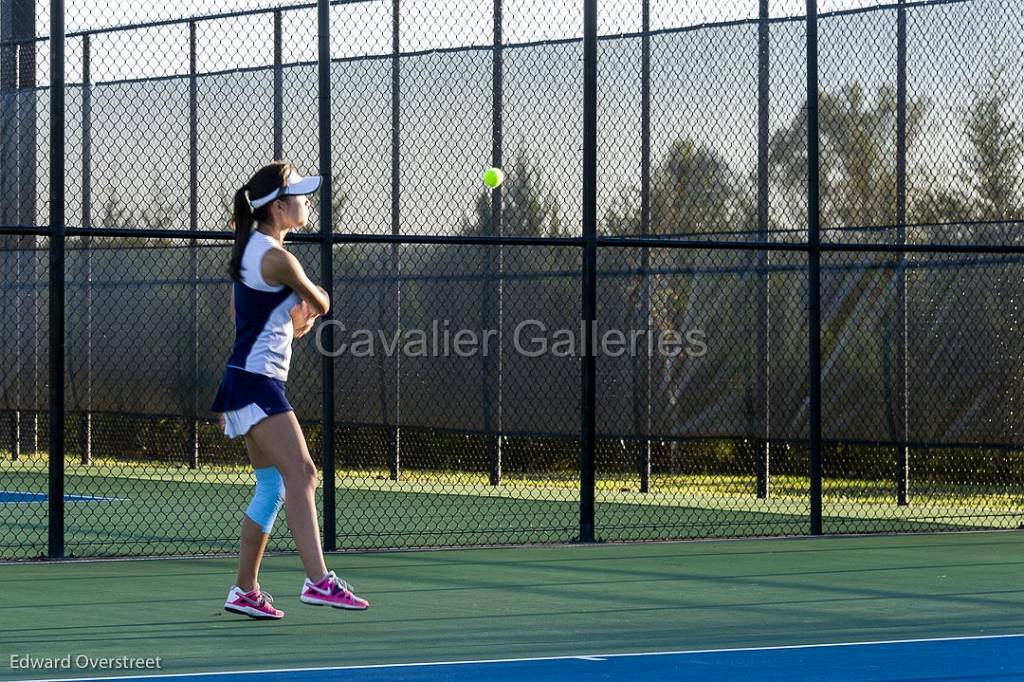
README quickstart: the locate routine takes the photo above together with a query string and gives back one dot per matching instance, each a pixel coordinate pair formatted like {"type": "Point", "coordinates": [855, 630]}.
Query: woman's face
{"type": "Point", "coordinates": [294, 211]}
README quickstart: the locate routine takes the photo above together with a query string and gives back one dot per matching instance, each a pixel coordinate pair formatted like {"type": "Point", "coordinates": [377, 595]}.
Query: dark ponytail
{"type": "Point", "coordinates": [242, 219]}
{"type": "Point", "coordinates": [266, 180]}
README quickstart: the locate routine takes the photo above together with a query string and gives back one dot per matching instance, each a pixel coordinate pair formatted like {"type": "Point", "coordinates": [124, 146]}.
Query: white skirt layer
{"type": "Point", "coordinates": [238, 422]}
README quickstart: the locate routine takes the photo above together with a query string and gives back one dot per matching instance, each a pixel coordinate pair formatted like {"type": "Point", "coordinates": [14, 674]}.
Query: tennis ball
{"type": "Point", "coordinates": [493, 177]}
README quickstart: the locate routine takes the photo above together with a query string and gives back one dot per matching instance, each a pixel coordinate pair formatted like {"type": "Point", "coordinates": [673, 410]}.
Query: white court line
{"type": "Point", "coordinates": [588, 657]}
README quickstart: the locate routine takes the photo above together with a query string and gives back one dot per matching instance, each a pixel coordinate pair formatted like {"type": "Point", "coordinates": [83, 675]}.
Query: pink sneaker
{"type": "Point", "coordinates": [331, 591]}
{"type": "Point", "coordinates": [254, 604]}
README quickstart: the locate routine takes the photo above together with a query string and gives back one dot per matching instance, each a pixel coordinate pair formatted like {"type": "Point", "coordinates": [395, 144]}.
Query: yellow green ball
{"type": "Point", "coordinates": [493, 177]}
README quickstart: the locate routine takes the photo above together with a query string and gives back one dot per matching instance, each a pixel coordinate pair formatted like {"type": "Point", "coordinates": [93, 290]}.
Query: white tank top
{"type": "Point", "coordinates": [263, 325]}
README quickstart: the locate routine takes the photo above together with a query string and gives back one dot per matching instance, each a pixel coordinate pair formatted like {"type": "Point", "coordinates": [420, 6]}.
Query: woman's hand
{"type": "Point", "coordinates": [303, 317]}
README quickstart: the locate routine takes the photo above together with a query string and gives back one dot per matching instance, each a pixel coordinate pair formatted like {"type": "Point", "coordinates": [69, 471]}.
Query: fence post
{"type": "Point", "coordinates": [193, 222]}
{"type": "Point", "coordinates": [393, 432]}
{"type": "Point", "coordinates": [326, 268]}
{"type": "Point", "coordinates": [23, 24]}
{"type": "Point", "coordinates": [16, 416]}
{"type": "Point", "coordinates": [589, 364]}
{"type": "Point", "coordinates": [641, 359]}
{"type": "Point", "coordinates": [85, 428]}
{"type": "Point", "coordinates": [278, 88]}
{"type": "Point", "coordinates": [902, 345]}
{"type": "Point", "coordinates": [8, 81]}
{"type": "Point", "coordinates": [494, 266]}
{"type": "Point", "coordinates": [9, 188]}
{"type": "Point", "coordinates": [814, 266]}
{"type": "Point", "coordinates": [763, 339]}
{"type": "Point", "coordinates": [15, 436]}
{"type": "Point", "coordinates": [8, 116]}
{"type": "Point", "coordinates": [56, 277]}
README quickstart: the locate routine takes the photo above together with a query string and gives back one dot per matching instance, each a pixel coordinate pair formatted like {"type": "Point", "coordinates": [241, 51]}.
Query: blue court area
{"type": "Point", "coordinates": [998, 657]}
{"type": "Point", "coordinates": [17, 497]}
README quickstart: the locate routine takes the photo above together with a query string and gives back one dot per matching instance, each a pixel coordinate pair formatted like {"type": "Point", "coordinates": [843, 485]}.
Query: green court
{"type": "Point", "coordinates": [168, 509]}
{"type": "Point", "coordinates": [485, 604]}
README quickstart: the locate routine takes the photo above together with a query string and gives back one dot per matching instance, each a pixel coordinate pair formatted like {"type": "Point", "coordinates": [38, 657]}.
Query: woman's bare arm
{"type": "Point", "coordinates": [281, 267]}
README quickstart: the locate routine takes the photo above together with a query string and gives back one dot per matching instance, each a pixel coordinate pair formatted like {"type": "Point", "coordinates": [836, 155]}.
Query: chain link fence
{"type": "Point", "coordinates": [756, 268]}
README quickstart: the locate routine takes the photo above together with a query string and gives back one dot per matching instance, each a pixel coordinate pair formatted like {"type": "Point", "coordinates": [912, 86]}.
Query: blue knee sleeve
{"type": "Point", "coordinates": [267, 499]}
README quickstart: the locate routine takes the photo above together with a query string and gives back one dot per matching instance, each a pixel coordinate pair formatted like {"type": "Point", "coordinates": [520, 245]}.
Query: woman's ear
{"type": "Point", "coordinates": [278, 205]}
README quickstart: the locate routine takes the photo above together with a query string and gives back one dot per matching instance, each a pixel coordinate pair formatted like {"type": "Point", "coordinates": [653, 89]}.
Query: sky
{"type": "Point", "coordinates": [614, 15]}
{"type": "Point", "coordinates": [703, 87]}
{"type": "Point", "coordinates": [358, 28]}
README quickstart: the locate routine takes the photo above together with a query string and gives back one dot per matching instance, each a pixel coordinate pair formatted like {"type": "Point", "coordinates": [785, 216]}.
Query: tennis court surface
{"type": "Point", "coordinates": [912, 607]}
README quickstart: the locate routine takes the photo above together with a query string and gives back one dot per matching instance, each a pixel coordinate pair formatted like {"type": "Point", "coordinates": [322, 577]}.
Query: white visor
{"type": "Point", "coordinates": [296, 185]}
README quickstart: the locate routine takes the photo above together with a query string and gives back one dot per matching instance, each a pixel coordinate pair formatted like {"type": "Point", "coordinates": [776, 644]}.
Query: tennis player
{"type": "Point", "coordinates": [273, 301]}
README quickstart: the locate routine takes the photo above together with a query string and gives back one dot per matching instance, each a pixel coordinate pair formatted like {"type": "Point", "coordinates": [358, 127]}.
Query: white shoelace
{"type": "Point", "coordinates": [339, 582]}
{"type": "Point", "coordinates": [264, 595]}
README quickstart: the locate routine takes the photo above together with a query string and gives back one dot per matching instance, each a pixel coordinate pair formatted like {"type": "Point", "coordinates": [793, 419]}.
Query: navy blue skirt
{"type": "Point", "coordinates": [240, 388]}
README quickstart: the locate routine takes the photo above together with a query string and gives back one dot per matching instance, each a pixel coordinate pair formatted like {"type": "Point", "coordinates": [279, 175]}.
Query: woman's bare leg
{"type": "Point", "coordinates": [280, 442]}
{"type": "Point", "coordinates": [254, 540]}
{"type": "Point", "coordinates": [254, 543]}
